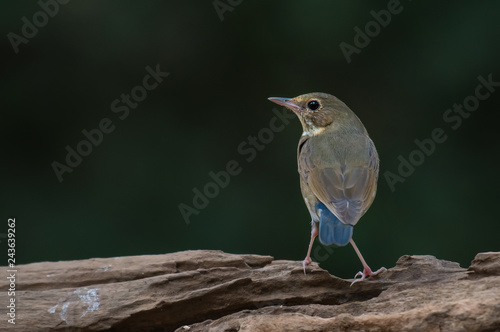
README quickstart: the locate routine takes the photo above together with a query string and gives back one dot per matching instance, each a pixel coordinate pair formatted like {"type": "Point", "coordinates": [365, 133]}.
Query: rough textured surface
{"type": "Point", "coordinates": [216, 291]}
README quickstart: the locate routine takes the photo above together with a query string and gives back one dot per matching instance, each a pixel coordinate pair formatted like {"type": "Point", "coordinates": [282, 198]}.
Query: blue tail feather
{"type": "Point", "coordinates": [331, 230]}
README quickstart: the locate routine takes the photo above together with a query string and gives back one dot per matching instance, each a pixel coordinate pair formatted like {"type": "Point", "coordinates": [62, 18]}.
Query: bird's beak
{"type": "Point", "coordinates": [287, 102]}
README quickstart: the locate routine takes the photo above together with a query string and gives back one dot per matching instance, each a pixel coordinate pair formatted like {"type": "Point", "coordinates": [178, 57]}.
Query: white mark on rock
{"type": "Point", "coordinates": [50, 275]}
{"type": "Point", "coordinates": [103, 268]}
{"type": "Point", "coordinates": [90, 298]}
{"type": "Point", "coordinates": [77, 304]}
{"type": "Point", "coordinates": [64, 311]}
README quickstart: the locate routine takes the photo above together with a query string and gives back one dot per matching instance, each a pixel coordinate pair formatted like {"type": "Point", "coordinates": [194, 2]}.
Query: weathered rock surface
{"type": "Point", "coordinates": [216, 291]}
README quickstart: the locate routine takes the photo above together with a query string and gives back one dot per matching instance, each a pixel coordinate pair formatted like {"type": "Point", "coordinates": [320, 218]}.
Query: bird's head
{"type": "Point", "coordinates": [316, 111]}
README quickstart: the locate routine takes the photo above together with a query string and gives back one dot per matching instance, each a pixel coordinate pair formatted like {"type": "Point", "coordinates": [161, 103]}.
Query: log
{"type": "Point", "coordinates": [208, 290]}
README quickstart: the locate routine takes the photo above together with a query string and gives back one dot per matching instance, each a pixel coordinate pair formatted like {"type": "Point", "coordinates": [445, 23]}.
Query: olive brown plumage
{"type": "Point", "coordinates": [338, 167]}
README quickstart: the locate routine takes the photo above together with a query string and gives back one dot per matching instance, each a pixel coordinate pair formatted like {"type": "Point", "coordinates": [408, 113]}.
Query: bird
{"type": "Point", "coordinates": [338, 169]}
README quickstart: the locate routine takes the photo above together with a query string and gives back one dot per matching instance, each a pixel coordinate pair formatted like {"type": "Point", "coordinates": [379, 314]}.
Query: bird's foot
{"type": "Point", "coordinates": [366, 273]}
{"type": "Point", "coordinates": [306, 261]}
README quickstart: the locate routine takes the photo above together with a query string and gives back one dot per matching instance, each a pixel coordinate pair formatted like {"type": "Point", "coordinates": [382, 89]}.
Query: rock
{"type": "Point", "coordinates": [486, 264]}
{"type": "Point", "coordinates": [215, 291]}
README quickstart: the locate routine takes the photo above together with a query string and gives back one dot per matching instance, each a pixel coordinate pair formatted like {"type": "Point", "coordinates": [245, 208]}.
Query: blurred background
{"type": "Point", "coordinates": [224, 60]}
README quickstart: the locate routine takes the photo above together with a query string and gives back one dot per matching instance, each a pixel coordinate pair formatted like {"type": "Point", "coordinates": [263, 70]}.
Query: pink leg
{"type": "Point", "coordinates": [366, 269]}
{"type": "Point", "coordinates": [314, 233]}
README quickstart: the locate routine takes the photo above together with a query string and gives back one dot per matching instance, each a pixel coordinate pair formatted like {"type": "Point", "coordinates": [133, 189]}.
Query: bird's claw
{"type": "Point", "coordinates": [366, 273]}
{"type": "Point", "coordinates": [363, 276]}
{"type": "Point", "coordinates": [306, 261]}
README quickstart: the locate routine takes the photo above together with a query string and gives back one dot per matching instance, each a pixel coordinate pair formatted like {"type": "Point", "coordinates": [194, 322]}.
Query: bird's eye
{"type": "Point", "coordinates": [313, 105]}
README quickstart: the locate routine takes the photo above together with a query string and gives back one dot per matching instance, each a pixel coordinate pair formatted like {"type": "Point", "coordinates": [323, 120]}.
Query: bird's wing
{"type": "Point", "coordinates": [345, 182]}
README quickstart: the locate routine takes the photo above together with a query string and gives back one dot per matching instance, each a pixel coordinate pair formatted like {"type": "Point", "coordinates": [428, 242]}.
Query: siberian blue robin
{"type": "Point", "coordinates": [338, 168]}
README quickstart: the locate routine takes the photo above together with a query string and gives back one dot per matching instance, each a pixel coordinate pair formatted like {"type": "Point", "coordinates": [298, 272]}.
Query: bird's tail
{"type": "Point", "coordinates": [331, 230]}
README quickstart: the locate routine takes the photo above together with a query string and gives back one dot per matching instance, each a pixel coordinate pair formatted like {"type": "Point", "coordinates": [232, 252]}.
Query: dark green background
{"type": "Point", "coordinates": [123, 199]}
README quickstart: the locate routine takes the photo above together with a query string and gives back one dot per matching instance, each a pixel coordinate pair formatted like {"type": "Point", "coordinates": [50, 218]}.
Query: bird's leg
{"type": "Point", "coordinates": [366, 269]}
{"type": "Point", "coordinates": [314, 233]}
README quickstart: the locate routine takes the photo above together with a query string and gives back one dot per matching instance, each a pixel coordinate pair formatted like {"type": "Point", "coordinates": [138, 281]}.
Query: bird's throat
{"type": "Point", "coordinates": [313, 131]}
